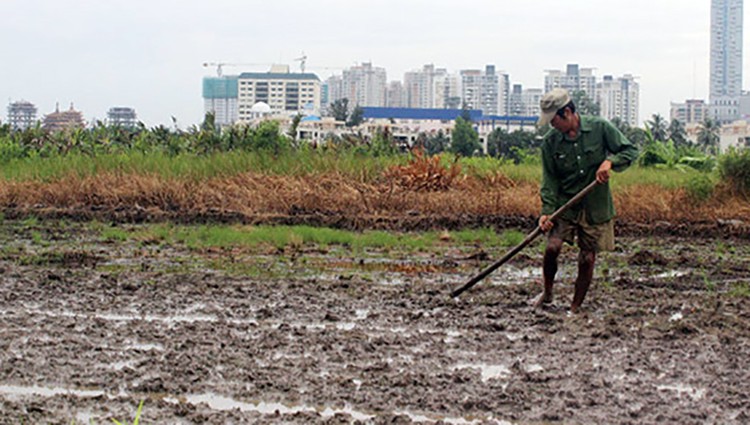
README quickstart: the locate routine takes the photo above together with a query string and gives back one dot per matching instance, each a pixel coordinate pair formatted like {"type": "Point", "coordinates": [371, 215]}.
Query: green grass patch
{"type": "Point", "coordinates": [114, 234]}
{"type": "Point", "coordinates": [198, 167]}
{"type": "Point", "coordinates": [740, 289]}
{"type": "Point", "coordinates": [352, 163]}
{"type": "Point", "coordinates": [282, 237]}
{"type": "Point", "coordinates": [489, 238]}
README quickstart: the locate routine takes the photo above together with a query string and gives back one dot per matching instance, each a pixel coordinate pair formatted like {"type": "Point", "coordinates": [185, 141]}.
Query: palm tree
{"type": "Point", "coordinates": [677, 133]}
{"type": "Point", "coordinates": [658, 127]}
{"type": "Point", "coordinates": [708, 135]}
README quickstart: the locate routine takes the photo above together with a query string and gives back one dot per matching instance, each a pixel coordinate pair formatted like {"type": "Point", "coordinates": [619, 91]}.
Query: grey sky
{"type": "Point", "coordinates": [149, 54]}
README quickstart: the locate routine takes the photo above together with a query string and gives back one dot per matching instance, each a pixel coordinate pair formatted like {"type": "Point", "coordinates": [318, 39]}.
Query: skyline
{"type": "Point", "coordinates": [150, 55]}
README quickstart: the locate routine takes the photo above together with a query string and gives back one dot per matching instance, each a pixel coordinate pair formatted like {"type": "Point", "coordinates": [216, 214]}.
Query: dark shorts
{"type": "Point", "coordinates": [591, 237]}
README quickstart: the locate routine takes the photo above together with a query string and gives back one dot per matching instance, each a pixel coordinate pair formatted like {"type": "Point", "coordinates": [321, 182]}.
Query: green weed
{"type": "Point", "coordinates": [511, 238]}
{"type": "Point", "coordinates": [740, 290]}
{"type": "Point", "coordinates": [137, 418]}
{"type": "Point", "coordinates": [114, 234]}
{"type": "Point", "coordinates": [36, 238]}
{"type": "Point", "coordinates": [30, 221]}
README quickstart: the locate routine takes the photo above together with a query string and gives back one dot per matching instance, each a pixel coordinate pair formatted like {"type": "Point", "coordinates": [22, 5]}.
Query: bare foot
{"type": "Point", "coordinates": [576, 309]}
{"type": "Point", "coordinates": [541, 299]}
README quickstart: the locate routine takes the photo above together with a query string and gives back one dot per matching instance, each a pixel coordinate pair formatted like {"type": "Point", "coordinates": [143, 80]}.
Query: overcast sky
{"type": "Point", "coordinates": [149, 54]}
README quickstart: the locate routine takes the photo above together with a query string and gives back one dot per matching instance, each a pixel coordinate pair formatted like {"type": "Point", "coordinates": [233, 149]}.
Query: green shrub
{"type": "Point", "coordinates": [734, 168]}
{"type": "Point", "coordinates": [700, 187]}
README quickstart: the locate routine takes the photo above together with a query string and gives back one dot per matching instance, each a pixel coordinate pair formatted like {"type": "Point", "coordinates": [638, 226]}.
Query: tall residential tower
{"type": "Point", "coordinates": [725, 86]}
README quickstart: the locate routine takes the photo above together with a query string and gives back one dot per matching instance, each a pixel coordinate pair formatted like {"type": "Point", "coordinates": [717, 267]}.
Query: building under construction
{"type": "Point", "coordinates": [60, 121]}
{"type": "Point", "coordinates": [121, 116]}
{"type": "Point", "coordinates": [21, 115]}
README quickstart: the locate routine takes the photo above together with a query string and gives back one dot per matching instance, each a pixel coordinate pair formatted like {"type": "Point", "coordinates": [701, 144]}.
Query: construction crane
{"type": "Point", "coordinates": [220, 65]}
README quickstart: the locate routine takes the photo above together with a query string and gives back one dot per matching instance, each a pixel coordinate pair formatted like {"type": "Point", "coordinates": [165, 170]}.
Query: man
{"type": "Point", "coordinates": [578, 150]}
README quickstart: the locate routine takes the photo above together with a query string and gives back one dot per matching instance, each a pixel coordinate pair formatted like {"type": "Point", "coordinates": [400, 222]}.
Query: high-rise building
{"type": "Point", "coordinates": [21, 115]}
{"type": "Point", "coordinates": [335, 90]}
{"type": "Point", "coordinates": [221, 97]}
{"type": "Point", "coordinates": [516, 100]}
{"type": "Point", "coordinates": [692, 111]}
{"type": "Point", "coordinates": [530, 99]}
{"type": "Point", "coordinates": [122, 116]}
{"type": "Point", "coordinates": [395, 97]}
{"type": "Point", "coordinates": [447, 91]}
{"type": "Point", "coordinates": [486, 90]}
{"type": "Point", "coordinates": [725, 85]}
{"type": "Point", "coordinates": [425, 88]}
{"type": "Point", "coordinates": [364, 85]}
{"type": "Point", "coordinates": [524, 102]}
{"type": "Point", "coordinates": [573, 79]}
{"type": "Point", "coordinates": [619, 98]}
{"type": "Point", "coordinates": [286, 93]}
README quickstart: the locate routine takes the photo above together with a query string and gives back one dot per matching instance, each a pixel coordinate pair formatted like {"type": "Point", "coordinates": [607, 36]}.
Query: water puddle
{"type": "Point", "coordinates": [345, 326]}
{"type": "Point", "coordinates": [488, 371]}
{"type": "Point", "coordinates": [442, 419]}
{"type": "Point", "coordinates": [362, 314]}
{"type": "Point", "coordinates": [222, 403]}
{"type": "Point", "coordinates": [676, 317]}
{"type": "Point", "coordinates": [170, 320]}
{"type": "Point", "coordinates": [19, 391]}
{"type": "Point", "coordinates": [671, 274]}
{"type": "Point", "coordinates": [512, 275]}
{"type": "Point", "coordinates": [681, 389]}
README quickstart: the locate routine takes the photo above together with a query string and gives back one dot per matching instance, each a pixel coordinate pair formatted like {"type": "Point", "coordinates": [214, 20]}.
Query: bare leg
{"type": "Point", "coordinates": [586, 261]}
{"type": "Point", "coordinates": [554, 246]}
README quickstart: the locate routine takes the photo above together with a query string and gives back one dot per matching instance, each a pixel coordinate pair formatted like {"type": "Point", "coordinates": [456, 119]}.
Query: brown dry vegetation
{"type": "Point", "coordinates": [421, 195]}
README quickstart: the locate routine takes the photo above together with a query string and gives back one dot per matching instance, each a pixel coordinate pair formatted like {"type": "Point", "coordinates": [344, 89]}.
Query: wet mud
{"type": "Point", "coordinates": [90, 328]}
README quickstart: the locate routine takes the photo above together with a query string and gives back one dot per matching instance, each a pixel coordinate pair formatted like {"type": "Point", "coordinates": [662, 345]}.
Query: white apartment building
{"type": "Point", "coordinates": [471, 88]}
{"type": "Point", "coordinates": [488, 91]}
{"type": "Point", "coordinates": [524, 102]}
{"type": "Point", "coordinates": [425, 88]}
{"type": "Point", "coordinates": [447, 91]}
{"type": "Point", "coordinates": [692, 111]}
{"type": "Point", "coordinates": [725, 85]}
{"type": "Point", "coordinates": [573, 79]}
{"type": "Point", "coordinates": [334, 86]}
{"type": "Point", "coordinates": [530, 99]}
{"type": "Point", "coordinates": [364, 85]}
{"type": "Point", "coordinates": [396, 96]}
{"type": "Point", "coordinates": [619, 98]}
{"type": "Point", "coordinates": [286, 93]}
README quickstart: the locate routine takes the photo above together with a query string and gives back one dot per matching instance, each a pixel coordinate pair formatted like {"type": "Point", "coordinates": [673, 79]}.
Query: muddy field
{"type": "Point", "coordinates": [90, 328]}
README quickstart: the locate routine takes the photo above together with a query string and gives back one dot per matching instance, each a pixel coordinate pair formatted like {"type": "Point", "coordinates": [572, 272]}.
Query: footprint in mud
{"type": "Point", "coordinates": [645, 257]}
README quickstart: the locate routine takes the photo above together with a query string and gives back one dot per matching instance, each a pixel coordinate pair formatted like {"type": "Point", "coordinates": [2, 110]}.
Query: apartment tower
{"type": "Point", "coordinates": [725, 85]}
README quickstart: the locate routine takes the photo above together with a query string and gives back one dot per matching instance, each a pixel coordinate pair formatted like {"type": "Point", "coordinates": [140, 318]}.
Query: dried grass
{"type": "Point", "coordinates": [422, 188]}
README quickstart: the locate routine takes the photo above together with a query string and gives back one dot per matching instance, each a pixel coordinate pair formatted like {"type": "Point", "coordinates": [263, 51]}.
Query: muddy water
{"type": "Point", "coordinates": [90, 328]}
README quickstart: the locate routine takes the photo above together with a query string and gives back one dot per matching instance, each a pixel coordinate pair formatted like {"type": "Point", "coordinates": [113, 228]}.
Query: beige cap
{"type": "Point", "coordinates": [551, 102]}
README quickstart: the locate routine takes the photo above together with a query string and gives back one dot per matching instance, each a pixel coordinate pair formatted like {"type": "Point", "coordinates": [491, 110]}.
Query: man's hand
{"type": "Point", "coordinates": [602, 174]}
{"type": "Point", "coordinates": [545, 224]}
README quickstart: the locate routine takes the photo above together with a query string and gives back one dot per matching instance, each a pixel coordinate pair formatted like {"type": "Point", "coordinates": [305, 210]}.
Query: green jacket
{"type": "Point", "coordinates": [569, 165]}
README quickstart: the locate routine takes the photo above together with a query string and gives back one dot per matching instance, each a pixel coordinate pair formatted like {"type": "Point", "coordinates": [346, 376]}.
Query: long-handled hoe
{"type": "Point", "coordinates": [538, 231]}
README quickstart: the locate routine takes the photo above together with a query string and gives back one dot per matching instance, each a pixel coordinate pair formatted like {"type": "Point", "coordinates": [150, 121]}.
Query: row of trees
{"type": "Point", "coordinates": [519, 145]}
{"type": "Point", "coordinates": [661, 129]}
